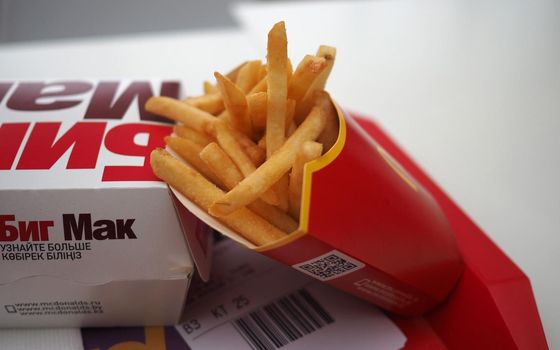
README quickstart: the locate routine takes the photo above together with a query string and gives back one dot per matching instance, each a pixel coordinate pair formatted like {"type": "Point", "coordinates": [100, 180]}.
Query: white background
{"type": "Point", "coordinates": [470, 89]}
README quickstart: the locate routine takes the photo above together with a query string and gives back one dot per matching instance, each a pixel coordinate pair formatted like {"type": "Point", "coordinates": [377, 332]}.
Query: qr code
{"type": "Point", "coordinates": [330, 265]}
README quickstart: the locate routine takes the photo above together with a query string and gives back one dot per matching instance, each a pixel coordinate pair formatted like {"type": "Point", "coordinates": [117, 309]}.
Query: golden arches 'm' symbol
{"type": "Point", "coordinates": [154, 340]}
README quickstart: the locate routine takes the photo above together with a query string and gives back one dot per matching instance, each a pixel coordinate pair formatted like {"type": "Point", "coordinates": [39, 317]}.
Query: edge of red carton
{"type": "Point", "coordinates": [492, 306]}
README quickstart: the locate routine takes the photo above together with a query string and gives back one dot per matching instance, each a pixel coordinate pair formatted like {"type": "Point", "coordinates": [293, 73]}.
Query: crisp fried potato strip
{"type": "Point", "coordinates": [203, 193]}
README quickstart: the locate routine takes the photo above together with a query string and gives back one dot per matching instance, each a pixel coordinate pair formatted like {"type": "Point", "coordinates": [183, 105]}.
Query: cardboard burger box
{"type": "Point", "coordinates": [88, 235]}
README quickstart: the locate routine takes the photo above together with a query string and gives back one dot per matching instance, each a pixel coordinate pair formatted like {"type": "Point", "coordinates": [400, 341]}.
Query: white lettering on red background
{"type": "Point", "coordinates": [40, 144]}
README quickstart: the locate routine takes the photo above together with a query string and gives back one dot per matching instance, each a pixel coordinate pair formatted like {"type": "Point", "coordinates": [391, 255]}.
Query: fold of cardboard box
{"type": "Point", "coordinates": [492, 306]}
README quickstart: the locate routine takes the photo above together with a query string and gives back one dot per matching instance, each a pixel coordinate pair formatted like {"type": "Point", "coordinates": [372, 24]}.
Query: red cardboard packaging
{"type": "Point", "coordinates": [491, 307]}
{"type": "Point", "coordinates": [492, 304]}
{"type": "Point", "coordinates": [366, 227]}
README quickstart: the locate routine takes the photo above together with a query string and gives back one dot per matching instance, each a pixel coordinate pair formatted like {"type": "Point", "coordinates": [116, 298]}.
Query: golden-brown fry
{"type": "Point", "coordinates": [248, 76]}
{"type": "Point", "coordinates": [211, 103]}
{"type": "Point", "coordinates": [290, 111]}
{"type": "Point", "coordinates": [191, 134]}
{"type": "Point", "coordinates": [209, 88]}
{"type": "Point", "coordinates": [281, 189]}
{"type": "Point", "coordinates": [232, 74]}
{"type": "Point", "coordinates": [260, 87]}
{"type": "Point", "coordinates": [262, 72]}
{"type": "Point", "coordinates": [235, 103]}
{"type": "Point", "coordinates": [224, 168]}
{"type": "Point", "coordinates": [330, 134]}
{"type": "Point", "coordinates": [262, 143]}
{"type": "Point", "coordinates": [190, 151]}
{"type": "Point", "coordinates": [203, 193]}
{"type": "Point", "coordinates": [255, 153]}
{"type": "Point", "coordinates": [274, 215]}
{"type": "Point", "coordinates": [291, 129]}
{"type": "Point", "coordinates": [221, 165]}
{"type": "Point", "coordinates": [277, 81]}
{"type": "Point", "coordinates": [306, 103]}
{"type": "Point", "coordinates": [262, 84]}
{"type": "Point", "coordinates": [226, 140]}
{"type": "Point", "coordinates": [179, 111]}
{"type": "Point", "coordinates": [289, 71]}
{"type": "Point", "coordinates": [306, 72]}
{"type": "Point", "coordinates": [309, 151]}
{"type": "Point", "coordinates": [257, 110]}
{"type": "Point", "coordinates": [328, 53]}
{"type": "Point", "coordinates": [229, 144]}
{"type": "Point", "coordinates": [273, 169]}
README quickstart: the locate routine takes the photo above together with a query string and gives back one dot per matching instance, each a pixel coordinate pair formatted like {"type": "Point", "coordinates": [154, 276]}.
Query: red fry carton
{"type": "Point", "coordinates": [366, 227]}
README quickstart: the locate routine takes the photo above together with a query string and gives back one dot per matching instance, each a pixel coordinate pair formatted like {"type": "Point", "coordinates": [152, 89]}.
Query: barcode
{"type": "Point", "coordinates": [328, 266]}
{"type": "Point", "coordinates": [282, 321]}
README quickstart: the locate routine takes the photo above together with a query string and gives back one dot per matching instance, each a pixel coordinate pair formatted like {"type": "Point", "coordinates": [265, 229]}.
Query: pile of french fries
{"type": "Point", "coordinates": [245, 141]}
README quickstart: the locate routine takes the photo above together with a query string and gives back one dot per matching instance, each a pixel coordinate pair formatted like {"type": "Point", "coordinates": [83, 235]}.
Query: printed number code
{"type": "Point", "coordinates": [328, 266]}
{"type": "Point", "coordinates": [282, 321]}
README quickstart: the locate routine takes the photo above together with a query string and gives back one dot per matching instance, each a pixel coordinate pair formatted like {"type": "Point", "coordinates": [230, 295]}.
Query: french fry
{"type": "Point", "coordinates": [329, 54]}
{"type": "Point", "coordinates": [235, 103]}
{"type": "Point", "coordinates": [209, 88]}
{"type": "Point", "coordinates": [281, 190]}
{"type": "Point", "coordinates": [225, 169]}
{"type": "Point", "coordinates": [291, 129]}
{"type": "Point", "coordinates": [211, 103]}
{"type": "Point", "coordinates": [262, 143]}
{"type": "Point", "coordinates": [251, 134]}
{"type": "Point", "coordinates": [309, 151]}
{"type": "Point", "coordinates": [330, 134]}
{"type": "Point", "coordinates": [274, 215]}
{"type": "Point", "coordinates": [262, 73]}
{"type": "Point", "coordinates": [290, 111]}
{"type": "Point", "coordinates": [203, 193]}
{"type": "Point", "coordinates": [289, 70]}
{"type": "Point", "coordinates": [255, 153]}
{"type": "Point", "coordinates": [306, 72]}
{"type": "Point", "coordinates": [277, 81]}
{"type": "Point", "coordinates": [260, 87]}
{"type": "Point", "coordinates": [248, 76]}
{"type": "Point", "coordinates": [281, 187]}
{"type": "Point", "coordinates": [257, 110]}
{"type": "Point", "coordinates": [232, 74]}
{"type": "Point", "coordinates": [229, 144]}
{"type": "Point", "coordinates": [259, 181]}
{"type": "Point", "coordinates": [306, 103]}
{"type": "Point", "coordinates": [190, 151]}
{"type": "Point", "coordinates": [192, 135]}
{"type": "Point", "coordinates": [221, 165]}
{"type": "Point", "coordinates": [226, 140]}
{"type": "Point", "coordinates": [181, 112]}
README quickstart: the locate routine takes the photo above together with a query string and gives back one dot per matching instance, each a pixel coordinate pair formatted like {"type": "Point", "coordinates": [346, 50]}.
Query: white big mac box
{"type": "Point", "coordinates": [88, 235]}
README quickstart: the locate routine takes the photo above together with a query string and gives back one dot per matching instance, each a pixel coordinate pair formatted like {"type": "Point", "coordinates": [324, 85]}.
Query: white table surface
{"type": "Point", "coordinates": [470, 89]}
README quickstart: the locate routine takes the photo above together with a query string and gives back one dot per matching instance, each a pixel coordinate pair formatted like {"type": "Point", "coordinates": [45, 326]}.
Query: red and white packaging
{"type": "Point", "coordinates": [88, 235]}
{"type": "Point", "coordinates": [491, 304]}
{"type": "Point", "coordinates": [366, 227]}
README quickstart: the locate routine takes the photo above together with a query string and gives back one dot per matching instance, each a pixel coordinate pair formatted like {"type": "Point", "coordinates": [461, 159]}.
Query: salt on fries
{"type": "Point", "coordinates": [244, 143]}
